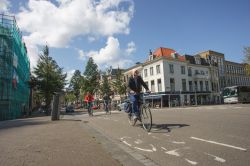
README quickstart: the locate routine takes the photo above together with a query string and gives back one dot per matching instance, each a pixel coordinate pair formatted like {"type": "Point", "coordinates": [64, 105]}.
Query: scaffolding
{"type": "Point", "coordinates": [14, 70]}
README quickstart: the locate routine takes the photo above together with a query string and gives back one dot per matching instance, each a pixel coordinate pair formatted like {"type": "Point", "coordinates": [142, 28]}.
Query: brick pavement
{"type": "Point", "coordinates": [41, 142]}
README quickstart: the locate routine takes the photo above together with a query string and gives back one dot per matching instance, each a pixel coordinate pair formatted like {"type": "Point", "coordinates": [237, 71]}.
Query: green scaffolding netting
{"type": "Point", "coordinates": [14, 70]}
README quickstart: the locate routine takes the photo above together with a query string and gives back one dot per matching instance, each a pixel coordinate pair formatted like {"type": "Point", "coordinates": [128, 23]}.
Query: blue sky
{"type": "Point", "coordinates": [121, 32]}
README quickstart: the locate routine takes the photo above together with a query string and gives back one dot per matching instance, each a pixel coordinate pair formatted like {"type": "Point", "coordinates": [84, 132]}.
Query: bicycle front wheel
{"type": "Point", "coordinates": [146, 118]}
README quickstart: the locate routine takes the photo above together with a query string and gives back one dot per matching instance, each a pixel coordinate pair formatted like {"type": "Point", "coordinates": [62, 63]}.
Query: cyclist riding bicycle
{"type": "Point", "coordinates": [134, 89]}
{"type": "Point", "coordinates": [106, 101]}
{"type": "Point", "coordinates": [89, 99]}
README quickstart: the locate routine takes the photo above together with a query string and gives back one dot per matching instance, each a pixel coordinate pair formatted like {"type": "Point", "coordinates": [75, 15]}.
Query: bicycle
{"type": "Point", "coordinates": [145, 115]}
{"type": "Point", "coordinates": [90, 109]}
{"type": "Point", "coordinates": [107, 108]}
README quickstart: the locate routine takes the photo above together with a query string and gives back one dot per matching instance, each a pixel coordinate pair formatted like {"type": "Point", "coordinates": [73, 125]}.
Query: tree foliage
{"type": "Point", "coordinates": [247, 59]}
{"type": "Point", "coordinates": [69, 97]}
{"type": "Point", "coordinates": [49, 76]}
{"type": "Point", "coordinates": [118, 84]}
{"type": "Point", "coordinates": [75, 83]}
{"type": "Point", "coordinates": [247, 54]}
{"type": "Point", "coordinates": [91, 77]}
{"type": "Point", "coordinates": [105, 87]}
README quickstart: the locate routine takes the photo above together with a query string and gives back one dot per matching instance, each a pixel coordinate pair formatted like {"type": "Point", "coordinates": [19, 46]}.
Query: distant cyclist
{"type": "Point", "coordinates": [106, 101]}
{"type": "Point", "coordinates": [89, 101]}
{"type": "Point", "coordinates": [135, 84]}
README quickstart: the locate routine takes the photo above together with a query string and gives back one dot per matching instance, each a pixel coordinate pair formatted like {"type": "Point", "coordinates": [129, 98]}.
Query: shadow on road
{"type": "Point", "coordinates": [104, 114]}
{"type": "Point", "coordinates": [166, 128]}
{"type": "Point", "coordinates": [73, 113]}
{"type": "Point", "coordinates": [22, 122]}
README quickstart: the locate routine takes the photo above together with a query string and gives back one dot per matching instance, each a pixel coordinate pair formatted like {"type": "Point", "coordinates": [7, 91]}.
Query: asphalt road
{"type": "Point", "coordinates": [206, 135]}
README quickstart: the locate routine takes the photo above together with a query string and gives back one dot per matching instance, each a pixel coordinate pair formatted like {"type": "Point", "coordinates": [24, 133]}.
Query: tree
{"type": "Point", "coordinates": [49, 76]}
{"type": "Point", "coordinates": [247, 59]}
{"type": "Point", "coordinates": [69, 97]}
{"type": "Point", "coordinates": [118, 84]}
{"type": "Point", "coordinates": [91, 77]}
{"type": "Point", "coordinates": [75, 84]}
{"type": "Point", "coordinates": [105, 87]}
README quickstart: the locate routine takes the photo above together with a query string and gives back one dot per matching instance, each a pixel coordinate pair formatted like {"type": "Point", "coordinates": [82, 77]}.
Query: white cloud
{"type": "Point", "coordinates": [58, 24]}
{"type": "Point", "coordinates": [4, 6]}
{"type": "Point", "coordinates": [131, 48]}
{"type": "Point", "coordinates": [70, 75]}
{"type": "Point", "coordinates": [111, 54]}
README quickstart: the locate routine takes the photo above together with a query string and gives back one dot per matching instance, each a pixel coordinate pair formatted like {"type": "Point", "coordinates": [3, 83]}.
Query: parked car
{"type": "Point", "coordinates": [70, 108]}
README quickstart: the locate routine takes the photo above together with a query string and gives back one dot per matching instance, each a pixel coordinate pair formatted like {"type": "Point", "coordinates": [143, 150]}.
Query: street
{"type": "Point", "coordinates": [205, 135]}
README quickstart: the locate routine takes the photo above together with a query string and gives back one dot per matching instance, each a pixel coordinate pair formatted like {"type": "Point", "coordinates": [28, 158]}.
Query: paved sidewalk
{"type": "Point", "coordinates": [41, 142]}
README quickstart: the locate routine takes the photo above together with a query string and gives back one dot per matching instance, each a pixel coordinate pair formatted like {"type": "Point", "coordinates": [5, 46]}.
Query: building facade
{"type": "Point", "coordinates": [230, 73]}
{"type": "Point", "coordinates": [14, 70]}
{"type": "Point", "coordinates": [216, 60]}
{"type": "Point", "coordinates": [175, 80]}
{"type": "Point", "coordinates": [236, 74]}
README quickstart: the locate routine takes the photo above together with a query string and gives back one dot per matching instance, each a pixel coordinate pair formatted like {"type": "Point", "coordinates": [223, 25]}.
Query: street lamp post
{"type": "Point", "coordinates": [180, 98]}
{"type": "Point", "coordinates": [195, 97]}
{"type": "Point", "coordinates": [169, 96]}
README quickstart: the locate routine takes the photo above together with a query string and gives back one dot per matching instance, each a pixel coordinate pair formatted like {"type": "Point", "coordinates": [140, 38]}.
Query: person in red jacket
{"type": "Point", "coordinates": [89, 100]}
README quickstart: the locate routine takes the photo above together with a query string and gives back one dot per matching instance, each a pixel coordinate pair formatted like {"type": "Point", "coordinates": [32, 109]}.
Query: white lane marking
{"type": "Point", "coordinates": [217, 143]}
{"type": "Point", "coordinates": [191, 162]}
{"type": "Point", "coordinates": [155, 129]}
{"type": "Point", "coordinates": [175, 142]}
{"type": "Point", "coordinates": [173, 152]}
{"type": "Point", "coordinates": [216, 158]}
{"type": "Point", "coordinates": [155, 137]}
{"type": "Point", "coordinates": [153, 148]}
{"type": "Point", "coordinates": [124, 137]}
{"type": "Point", "coordinates": [116, 120]}
{"type": "Point", "coordinates": [138, 141]}
{"type": "Point", "coordinates": [166, 135]}
{"type": "Point", "coordinates": [146, 150]}
{"type": "Point", "coordinates": [149, 133]}
{"type": "Point", "coordinates": [106, 118]}
{"type": "Point", "coordinates": [127, 143]}
{"type": "Point", "coordinates": [163, 148]}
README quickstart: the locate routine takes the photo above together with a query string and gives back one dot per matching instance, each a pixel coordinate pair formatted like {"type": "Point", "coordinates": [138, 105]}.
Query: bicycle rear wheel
{"type": "Point", "coordinates": [146, 118]}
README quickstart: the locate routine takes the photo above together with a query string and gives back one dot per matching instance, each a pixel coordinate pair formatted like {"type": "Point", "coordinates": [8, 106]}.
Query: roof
{"type": "Point", "coordinates": [168, 53]}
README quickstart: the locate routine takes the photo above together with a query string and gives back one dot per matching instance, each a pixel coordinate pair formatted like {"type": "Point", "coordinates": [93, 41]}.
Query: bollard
{"type": "Point", "coordinates": [55, 113]}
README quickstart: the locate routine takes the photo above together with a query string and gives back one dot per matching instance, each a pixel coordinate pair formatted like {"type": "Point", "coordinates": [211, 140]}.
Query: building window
{"type": "Point", "coordinates": [172, 85]}
{"type": "Point", "coordinates": [184, 86]}
{"type": "Point", "coordinates": [146, 82]}
{"type": "Point", "coordinates": [171, 68]}
{"type": "Point", "coordinates": [151, 71]}
{"type": "Point", "coordinates": [195, 86]}
{"type": "Point", "coordinates": [189, 71]}
{"type": "Point", "coordinates": [207, 87]}
{"type": "Point", "coordinates": [201, 85]}
{"type": "Point", "coordinates": [158, 71]}
{"type": "Point", "coordinates": [153, 86]}
{"type": "Point", "coordinates": [183, 70]}
{"type": "Point", "coordinates": [145, 72]}
{"type": "Point", "coordinates": [190, 86]}
{"type": "Point", "coordinates": [159, 85]}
